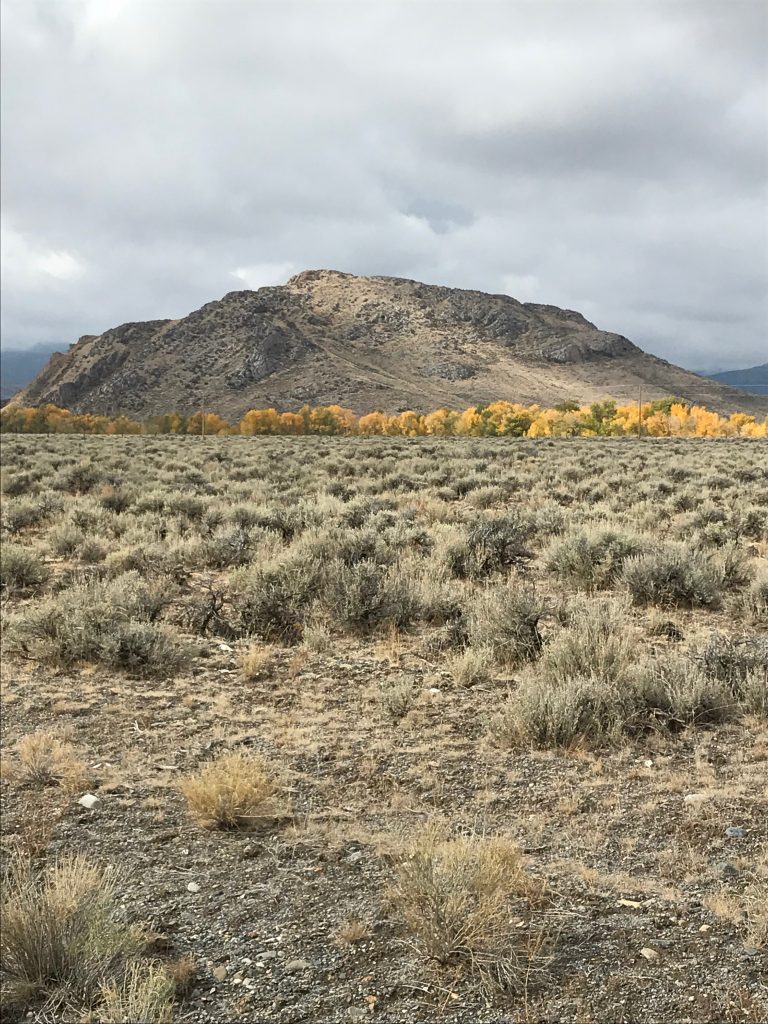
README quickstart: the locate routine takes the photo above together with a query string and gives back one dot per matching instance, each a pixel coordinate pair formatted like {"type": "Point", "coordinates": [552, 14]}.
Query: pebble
{"type": "Point", "coordinates": [220, 973]}
{"type": "Point", "coordinates": [88, 801]}
{"type": "Point", "coordinates": [648, 953]}
{"type": "Point", "coordinates": [296, 965]}
{"type": "Point", "coordinates": [268, 954]}
{"type": "Point", "coordinates": [193, 887]}
{"type": "Point", "coordinates": [735, 832]}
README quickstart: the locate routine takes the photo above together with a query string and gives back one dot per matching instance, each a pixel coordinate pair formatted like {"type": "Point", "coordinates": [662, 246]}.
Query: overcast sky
{"type": "Point", "coordinates": [607, 156]}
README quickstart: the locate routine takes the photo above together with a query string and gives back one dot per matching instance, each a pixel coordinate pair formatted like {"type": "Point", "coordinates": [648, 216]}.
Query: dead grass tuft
{"type": "Point", "coordinates": [461, 898]}
{"type": "Point", "coordinates": [234, 791]}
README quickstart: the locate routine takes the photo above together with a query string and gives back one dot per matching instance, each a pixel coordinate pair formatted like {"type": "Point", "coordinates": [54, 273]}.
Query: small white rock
{"type": "Point", "coordinates": [193, 887]}
{"type": "Point", "coordinates": [224, 647]}
{"type": "Point", "coordinates": [648, 953]}
{"type": "Point", "coordinates": [88, 801]}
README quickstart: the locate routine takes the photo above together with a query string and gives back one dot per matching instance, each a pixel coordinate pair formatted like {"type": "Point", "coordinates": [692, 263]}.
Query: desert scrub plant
{"type": "Point", "coordinates": [753, 602]}
{"type": "Point", "coordinates": [458, 898]}
{"type": "Point", "coordinates": [577, 711]}
{"type": "Point", "coordinates": [491, 544]}
{"type": "Point", "coordinates": [504, 622]}
{"type": "Point", "coordinates": [112, 623]}
{"type": "Point", "coordinates": [234, 791]}
{"type": "Point", "coordinates": [21, 569]}
{"type": "Point", "coordinates": [674, 575]}
{"type": "Point", "coordinates": [45, 758]}
{"type": "Point", "coordinates": [470, 667]}
{"type": "Point", "coordinates": [593, 558]}
{"type": "Point", "coordinates": [145, 993]}
{"type": "Point", "coordinates": [61, 940]}
{"type": "Point", "coordinates": [598, 642]}
{"type": "Point", "coordinates": [396, 697]}
{"type": "Point", "coordinates": [364, 596]}
{"type": "Point", "coordinates": [271, 601]}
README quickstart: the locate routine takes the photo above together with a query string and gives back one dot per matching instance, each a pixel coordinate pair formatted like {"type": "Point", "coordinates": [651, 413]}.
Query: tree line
{"type": "Point", "coordinates": [668, 417]}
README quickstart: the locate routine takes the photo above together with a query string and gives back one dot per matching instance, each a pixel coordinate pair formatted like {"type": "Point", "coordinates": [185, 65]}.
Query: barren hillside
{"type": "Point", "coordinates": [367, 343]}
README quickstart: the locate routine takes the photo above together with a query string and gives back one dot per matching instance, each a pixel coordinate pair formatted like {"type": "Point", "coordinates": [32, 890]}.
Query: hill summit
{"type": "Point", "coordinates": [368, 343]}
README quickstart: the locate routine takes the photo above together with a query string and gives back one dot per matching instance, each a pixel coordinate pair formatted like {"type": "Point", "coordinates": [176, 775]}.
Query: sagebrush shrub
{"type": "Point", "coordinates": [505, 622]}
{"type": "Point", "coordinates": [491, 544]}
{"type": "Point", "coordinates": [593, 559]}
{"type": "Point", "coordinates": [364, 596]}
{"type": "Point", "coordinates": [21, 568]}
{"type": "Point", "coordinates": [599, 642]}
{"type": "Point", "coordinates": [112, 622]}
{"type": "Point", "coordinates": [674, 575]}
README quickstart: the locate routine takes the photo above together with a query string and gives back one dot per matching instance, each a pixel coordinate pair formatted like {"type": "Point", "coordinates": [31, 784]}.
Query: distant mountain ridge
{"type": "Point", "coordinates": [20, 366]}
{"type": "Point", "coordinates": [753, 378]}
{"type": "Point", "coordinates": [368, 343]}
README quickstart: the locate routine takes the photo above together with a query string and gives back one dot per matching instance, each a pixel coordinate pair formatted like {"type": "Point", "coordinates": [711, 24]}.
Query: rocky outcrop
{"type": "Point", "coordinates": [365, 342]}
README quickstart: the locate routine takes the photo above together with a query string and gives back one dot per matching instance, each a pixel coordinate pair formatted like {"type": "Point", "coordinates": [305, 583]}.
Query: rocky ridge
{"type": "Point", "coordinates": [364, 342]}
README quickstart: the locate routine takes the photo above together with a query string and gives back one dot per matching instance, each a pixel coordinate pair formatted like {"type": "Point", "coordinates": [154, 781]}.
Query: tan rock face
{"type": "Point", "coordinates": [364, 342]}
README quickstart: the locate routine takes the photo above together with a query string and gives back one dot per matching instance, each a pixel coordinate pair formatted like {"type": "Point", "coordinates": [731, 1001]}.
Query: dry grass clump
{"type": "Point", "coordinates": [460, 897]}
{"type": "Point", "coordinates": [256, 662]}
{"type": "Point", "coordinates": [144, 994]}
{"type": "Point", "coordinates": [755, 904]}
{"type": "Point", "coordinates": [61, 941]}
{"type": "Point", "coordinates": [234, 791]}
{"type": "Point", "coordinates": [351, 931]}
{"type": "Point", "coordinates": [45, 758]}
{"type": "Point", "coordinates": [21, 569]}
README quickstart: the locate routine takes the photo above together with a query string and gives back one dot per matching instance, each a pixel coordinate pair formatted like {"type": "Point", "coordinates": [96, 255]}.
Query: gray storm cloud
{"type": "Point", "coordinates": [609, 156]}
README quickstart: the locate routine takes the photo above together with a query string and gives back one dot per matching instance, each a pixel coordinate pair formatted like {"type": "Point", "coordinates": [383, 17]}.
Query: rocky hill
{"type": "Point", "coordinates": [366, 343]}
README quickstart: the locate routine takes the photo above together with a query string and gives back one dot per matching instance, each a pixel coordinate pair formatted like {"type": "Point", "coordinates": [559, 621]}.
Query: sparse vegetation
{"type": "Point", "coordinates": [61, 940]}
{"type": "Point", "coordinates": [233, 791]}
{"type": "Point", "coordinates": [249, 672]}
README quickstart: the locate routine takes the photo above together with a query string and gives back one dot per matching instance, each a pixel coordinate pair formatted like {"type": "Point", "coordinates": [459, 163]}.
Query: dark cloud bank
{"type": "Point", "coordinates": [606, 156]}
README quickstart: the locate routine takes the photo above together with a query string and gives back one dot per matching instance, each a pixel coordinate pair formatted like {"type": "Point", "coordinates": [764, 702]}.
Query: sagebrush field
{"type": "Point", "coordinates": [409, 729]}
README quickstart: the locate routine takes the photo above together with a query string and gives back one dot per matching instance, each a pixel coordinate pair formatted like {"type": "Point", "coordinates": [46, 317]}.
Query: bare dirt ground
{"type": "Point", "coordinates": [647, 852]}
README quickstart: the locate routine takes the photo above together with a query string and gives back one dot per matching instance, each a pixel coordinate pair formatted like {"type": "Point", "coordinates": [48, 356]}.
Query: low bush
{"type": "Point", "coordinates": [365, 596]}
{"type": "Point", "coordinates": [491, 544]}
{"type": "Point", "coordinates": [112, 623]}
{"type": "Point", "coordinates": [674, 575]}
{"type": "Point", "coordinates": [593, 559]}
{"type": "Point", "coordinates": [598, 642]}
{"type": "Point", "coordinates": [504, 621]}
{"type": "Point", "coordinates": [21, 568]}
